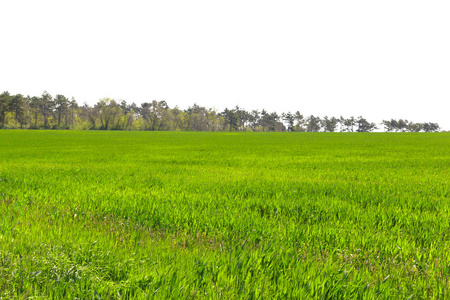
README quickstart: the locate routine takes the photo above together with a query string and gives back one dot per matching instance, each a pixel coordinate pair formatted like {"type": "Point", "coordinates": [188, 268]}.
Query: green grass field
{"type": "Point", "coordinates": [106, 215]}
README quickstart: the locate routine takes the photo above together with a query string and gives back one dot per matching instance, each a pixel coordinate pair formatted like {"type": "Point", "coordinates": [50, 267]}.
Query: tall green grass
{"type": "Point", "coordinates": [127, 215]}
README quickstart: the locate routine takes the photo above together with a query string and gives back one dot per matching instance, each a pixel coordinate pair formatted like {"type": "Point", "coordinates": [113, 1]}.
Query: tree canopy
{"type": "Point", "coordinates": [58, 112]}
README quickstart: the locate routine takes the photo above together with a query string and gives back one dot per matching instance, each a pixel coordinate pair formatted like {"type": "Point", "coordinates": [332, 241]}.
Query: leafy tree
{"type": "Point", "coordinates": [16, 106]}
{"type": "Point", "coordinates": [415, 127]}
{"type": "Point", "coordinates": [156, 115]}
{"type": "Point", "coordinates": [300, 121]}
{"type": "Point", "coordinates": [274, 122]}
{"type": "Point", "coordinates": [163, 115]}
{"type": "Point", "coordinates": [430, 127]}
{"type": "Point", "coordinates": [387, 125]}
{"type": "Point", "coordinates": [61, 107]}
{"type": "Point", "coordinates": [5, 99]}
{"type": "Point", "coordinates": [231, 119]}
{"type": "Point", "coordinates": [214, 120]}
{"type": "Point", "coordinates": [178, 116]}
{"type": "Point", "coordinates": [200, 118]}
{"type": "Point", "coordinates": [329, 124]}
{"type": "Point", "coordinates": [405, 125]}
{"type": "Point", "coordinates": [109, 113]}
{"type": "Point", "coordinates": [196, 118]}
{"type": "Point", "coordinates": [90, 113]}
{"type": "Point", "coordinates": [35, 104]}
{"type": "Point", "coordinates": [394, 124]}
{"type": "Point", "coordinates": [242, 117]}
{"type": "Point", "coordinates": [402, 125]}
{"type": "Point", "coordinates": [73, 106]}
{"type": "Point", "coordinates": [313, 124]}
{"type": "Point", "coordinates": [130, 114]}
{"type": "Point", "coordinates": [349, 124]}
{"type": "Point", "coordinates": [265, 120]}
{"type": "Point", "coordinates": [46, 106]}
{"type": "Point", "coordinates": [364, 125]}
{"type": "Point", "coordinates": [289, 119]}
{"type": "Point", "coordinates": [254, 119]}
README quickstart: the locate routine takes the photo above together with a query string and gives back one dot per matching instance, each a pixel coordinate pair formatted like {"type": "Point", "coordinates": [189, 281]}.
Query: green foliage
{"type": "Point", "coordinates": [46, 112]}
{"type": "Point", "coordinates": [136, 215]}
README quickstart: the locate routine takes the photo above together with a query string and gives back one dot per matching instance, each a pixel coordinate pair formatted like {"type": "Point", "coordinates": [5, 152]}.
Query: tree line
{"type": "Point", "coordinates": [60, 112]}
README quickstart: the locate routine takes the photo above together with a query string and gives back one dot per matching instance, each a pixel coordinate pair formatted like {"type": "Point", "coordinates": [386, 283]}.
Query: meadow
{"type": "Point", "coordinates": [201, 215]}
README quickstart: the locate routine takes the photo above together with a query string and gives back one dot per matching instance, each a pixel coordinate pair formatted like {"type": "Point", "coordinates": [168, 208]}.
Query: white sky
{"type": "Point", "coordinates": [381, 59]}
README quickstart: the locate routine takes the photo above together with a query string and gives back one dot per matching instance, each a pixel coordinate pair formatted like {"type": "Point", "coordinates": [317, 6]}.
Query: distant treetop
{"type": "Point", "coordinates": [60, 112]}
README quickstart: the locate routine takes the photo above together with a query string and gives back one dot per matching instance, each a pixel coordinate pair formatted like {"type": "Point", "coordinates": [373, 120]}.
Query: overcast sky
{"type": "Point", "coordinates": [381, 59]}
